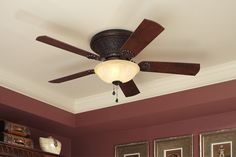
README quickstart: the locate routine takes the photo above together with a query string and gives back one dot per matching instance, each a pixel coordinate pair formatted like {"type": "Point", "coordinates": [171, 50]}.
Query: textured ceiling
{"type": "Point", "coordinates": [195, 31]}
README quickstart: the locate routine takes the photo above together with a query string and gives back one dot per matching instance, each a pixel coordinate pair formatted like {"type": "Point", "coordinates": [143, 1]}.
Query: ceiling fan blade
{"type": "Point", "coordinates": [64, 46]}
{"type": "Point", "coordinates": [142, 36]}
{"type": "Point", "coordinates": [170, 67]}
{"type": "Point", "coordinates": [129, 88]}
{"type": "Point", "coordinates": [73, 76]}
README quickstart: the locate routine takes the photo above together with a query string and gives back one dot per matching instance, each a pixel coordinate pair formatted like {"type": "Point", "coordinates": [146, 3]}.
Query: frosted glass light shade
{"type": "Point", "coordinates": [116, 70]}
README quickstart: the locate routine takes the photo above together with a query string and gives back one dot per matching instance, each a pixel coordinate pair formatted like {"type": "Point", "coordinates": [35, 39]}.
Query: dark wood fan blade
{"type": "Point", "coordinates": [64, 46]}
{"type": "Point", "coordinates": [170, 67]}
{"type": "Point", "coordinates": [129, 88]}
{"type": "Point", "coordinates": [73, 76]}
{"type": "Point", "coordinates": [142, 36]}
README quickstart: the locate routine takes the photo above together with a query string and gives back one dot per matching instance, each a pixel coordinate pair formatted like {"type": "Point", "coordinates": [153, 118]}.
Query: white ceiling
{"type": "Point", "coordinates": [200, 31]}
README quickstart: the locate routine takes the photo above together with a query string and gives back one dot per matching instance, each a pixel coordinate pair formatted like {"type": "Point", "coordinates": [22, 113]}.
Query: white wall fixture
{"type": "Point", "coordinates": [50, 145]}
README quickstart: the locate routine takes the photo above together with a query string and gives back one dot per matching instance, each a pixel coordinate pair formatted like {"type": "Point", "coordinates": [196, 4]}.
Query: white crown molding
{"type": "Point", "coordinates": [32, 89]}
{"type": "Point", "coordinates": [166, 85]}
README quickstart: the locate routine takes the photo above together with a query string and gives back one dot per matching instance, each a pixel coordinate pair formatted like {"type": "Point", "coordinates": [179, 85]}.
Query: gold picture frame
{"type": "Point", "coordinates": [138, 149]}
{"type": "Point", "coordinates": [181, 146]}
{"type": "Point", "coordinates": [220, 143]}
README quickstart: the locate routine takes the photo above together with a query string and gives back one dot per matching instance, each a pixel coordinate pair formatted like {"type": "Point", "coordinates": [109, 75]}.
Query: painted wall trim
{"type": "Point", "coordinates": [167, 85]}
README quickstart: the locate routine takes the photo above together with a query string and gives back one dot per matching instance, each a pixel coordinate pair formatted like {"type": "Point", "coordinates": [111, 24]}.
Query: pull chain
{"type": "Point", "coordinates": [113, 90]}
{"type": "Point", "coordinates": [117, 94]}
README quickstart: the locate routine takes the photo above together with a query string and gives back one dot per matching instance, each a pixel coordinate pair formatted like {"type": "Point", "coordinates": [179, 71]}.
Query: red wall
{"type": "Point", "coordinates": [95, 133]}
{"type": "Point", "coordinates": [102, 144]}
{"type": "Point", "coordinates": [188, 112]}
{"type": "Point", "coordinates": [26, 104]}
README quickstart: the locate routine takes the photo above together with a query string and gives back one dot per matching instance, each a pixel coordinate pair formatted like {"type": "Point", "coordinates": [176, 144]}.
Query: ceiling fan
{"type": "Point", "coordinates": [116, 48]}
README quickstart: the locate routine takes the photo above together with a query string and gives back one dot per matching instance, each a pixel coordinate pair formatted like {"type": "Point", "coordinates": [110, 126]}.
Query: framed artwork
{"type": "Point", "coordinates": [218, 143]}
{"type": "Point", "coordinates": [139, 149]}
{"type": "Point", "coordinates": [174, 147]}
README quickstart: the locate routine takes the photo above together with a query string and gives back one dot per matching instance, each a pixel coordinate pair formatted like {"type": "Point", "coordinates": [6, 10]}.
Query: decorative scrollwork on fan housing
{"type": "Point", "coordinates": [108, 43]}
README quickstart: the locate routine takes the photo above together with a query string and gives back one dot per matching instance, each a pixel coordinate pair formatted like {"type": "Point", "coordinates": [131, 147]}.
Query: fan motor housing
{"type": "Point", "coordinates": [107, 43]}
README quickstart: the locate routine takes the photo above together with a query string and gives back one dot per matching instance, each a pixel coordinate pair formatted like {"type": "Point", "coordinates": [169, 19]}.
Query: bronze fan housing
{"type": "Point", "coordinates": [107, 44]}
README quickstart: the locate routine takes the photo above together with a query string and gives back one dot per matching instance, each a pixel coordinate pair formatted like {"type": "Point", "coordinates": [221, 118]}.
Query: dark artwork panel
{"type": "Point", "coordinates": [132, 155]}
{"type": "Point", "coordinates": [174, 153]}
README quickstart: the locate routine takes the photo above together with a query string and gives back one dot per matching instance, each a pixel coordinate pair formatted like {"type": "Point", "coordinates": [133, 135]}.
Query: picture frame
{"type": "Point", "coordinates": [221, 143]}
{"type": "Point", "coordinates": [181, 146]}
{"type": "Point", "coordinates": [137, 149]}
